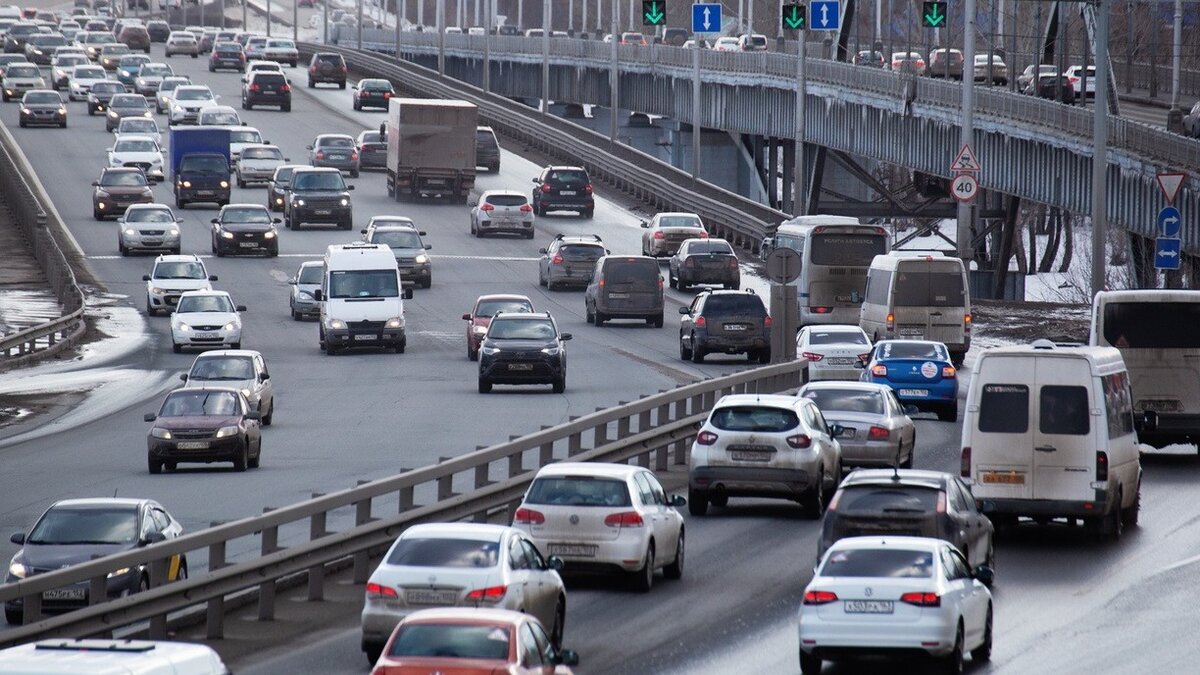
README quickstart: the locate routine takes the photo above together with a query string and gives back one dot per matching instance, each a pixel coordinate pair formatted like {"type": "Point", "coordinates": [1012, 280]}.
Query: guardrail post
{"type": "Point", "coordinates": [158, 577]}
{"type": "Point", "coordinates": [545, 454]}
{"type": "Point", "coordinates": [600, 435]}
{"type": "Point", "coordinates": [644, 419]}
{"type": "Point", "coordinates": [316, 573]}
{"type": "Point", "coordinates": [266, 590]}
{"type": "Point", "coordinates": [623, 424]}
{"type": "Point", "coordinates": [445, 487]}
{"type": "Point", "coordinates": [516, 464]}
{"type": "Point", "coordinates": [215, 619]}
{"type": "Point", "coordinates": [362, 559]}
{"type": "Point", "coordinates": [574, 444]}
{"type": "Point", "coordinates": [406, 498]}
{"type": "Point", "coordinates": [31, 608]}
{"type": "Point", "coordinates": [481, 481]}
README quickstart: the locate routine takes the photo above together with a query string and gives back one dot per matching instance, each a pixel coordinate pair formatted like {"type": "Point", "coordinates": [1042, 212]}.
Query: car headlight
{"type": "Point", "coordinates": [224, 183]}
{"type": "Point", "coordinates": [226, 432]}
{"type": "Point", "coordinates": [479, 330]}
{"type": "Point", "coordinates": [233, 325]}
{"type": "Point", "coordinates": [125, 73]}
{"type": "Point", "coordinates": [173, 232]}
{"type": "Point", "coordinates": [269, 235]}
{"type": "Point", "coordinates": [345, 202]}
{"type": "Point", "coordinates": [112, 113]}
{"type": "Point", "coordinates": [551, 351]}
{"type": "Point", "coordinates": [187, 183]}
{"type": "Point", "coordinates": [18, 570]}
{"type": "Point", "coordinates": [299, 202]}
{"type": "Point", "coordinates": [305, 295]}
{"type": "Point", "coordinates": [183, 327]}
{"type": "Point", "coordinates": [246, 393]}
{"type": "Point", "coordinates": [421, 259]}
{"type": "Point", "coordinates": [279, 200]}
{"type": "Point", "coordinates": [164, 434]}
{"type": "Point", "coordinates": [117, 573]}
{"type": "Point", "coordinates": [25, 111]}
{"type": "Point", "coordinates": [337, 324]}
{"type": "Point", "coordinates": [227, 235]}
{"type": "Point", "coordinates": [394, 322]}
{"type": "Point", "coordinates": [62, 111]}
{"type": "Point", "coordinates": [129, 231]}
{"type": "Point", "coordinates": [147, 114]}
{"type": "Point", "coordinates": [178, 108]}
{"type": "Point", "coordinates": [157, 291]}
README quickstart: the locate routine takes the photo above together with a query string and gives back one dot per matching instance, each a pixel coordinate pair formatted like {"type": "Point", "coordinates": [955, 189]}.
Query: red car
{"type": "Point", "coordinates": [485, 308]}
{"type": "Point", "coordinates": [467, 641]}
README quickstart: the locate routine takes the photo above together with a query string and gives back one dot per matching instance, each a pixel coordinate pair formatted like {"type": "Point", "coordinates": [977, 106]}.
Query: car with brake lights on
{"type": "Point", "coordinates": [404, 239]}
{"type": "Point", "coordinates": [125, 105]}
{"type": "Point", "coordinates": [101, 93]}
{"type": "Point", "coordinates": [487, 306]}
{"type": "Point", "coordinates": [302, 303]}
{"type": "Point", "coordinates": [336, 151]}
{"type": "Point", "coordinates": [897, 596]}
{"type": "Point", "coordinates": [206, 319]}
{"type": "Point", "coordinates": [139, 126]}
{"type": "Point", "coordinates": [140, 152]}
{"type": "Point", "coordinates": [563, 188]}
{"type": "Point", "coordinates": [149, 77]}
{"type": "Point", "coordinates": [253, 67]}
{"type": "Point", "coordinates": [111, 54]}
{"type": "Point", "coordinates": [502, 211]}
{"type": "Point", "coordinates": [166, 91]}
{"type": "Point", "coordinates": [241, 369]}
{"type": "Point", "coordinates": [257, 164]}
{"type": "Point", "coordinates": [605, 518]}
{"type": "Point", "coordinates": [318, 195]}
{"type": "Point", "coordinates": [372, 92]}
{"type": "Point", "coordinates": [727, 322]}
{"type": "Point", "coordinates": [128, 68]}
{"type": "Point", "coordinates": [118, 188]}
{"type": "Point", "coordinates": [876, 428]}
{"type": "Point", "coordinates": [704, 261]}
{"type": "Point", "coordinates": [569, 260]}
{"type": "Point", "coordinates": [764, 445]}
{"type": "Point", "coordinates": [226, 56]}
{"type": "Point", "coordinates": [372, 150]}
{"type": "Point", "coordinates": [75, 531]}
{"type": "Point", "coordinates": [278, 185]}
{"type": "Point", "coordinates": [461, 565]}
{"type": "Point", "coordinates": [665, 232]}
{"type": "Point", "coordinates": [281, 50]}
{"type": "Point", "coordinates": [920, 372]}
{"type": "Point", "coordinates": [148, 227]}
{"type": "Point", "coordinates": [267, 88]}
{"type": "Point", "coordinates": [204, 425]}
{"type": "Point", "coordinates": [832, 351]}
{"type": "Point", "coordinates": [327, 67]}
{"type": "Point", "coordinates": [44, 108]}
{"type": "Point", "coordinates": [182, 42]}
{"type": "Point", "coordinates": [171, 277]}
{"type": "Point", "coordinates": [245, 228]}
{"type": "Point", "coordinates": [523, 348]}
{"type": "Point", "coordinates": [63, 66]}
{"type": "Point", "coordinates": [20, 78]}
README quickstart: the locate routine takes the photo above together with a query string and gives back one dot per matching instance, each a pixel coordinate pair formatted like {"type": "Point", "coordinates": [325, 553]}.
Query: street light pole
{"type": "Point", "coordinates": [545, 57]}
{"type": "Point", "coordinates": [1100, 152]}
{"type": "Point", "coordinates": [268, 18]}
{"type": "Point", "coordinates": [799, 179]}
{"type": "Point", "coordinates": [440, 20]}
{"type": "Point", "coordinates": [965, 210]}
{"type": "Point", "coordinates": [613, 74]}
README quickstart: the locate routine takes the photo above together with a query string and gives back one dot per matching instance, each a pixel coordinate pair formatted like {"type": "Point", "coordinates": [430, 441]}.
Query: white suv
{"type": "Point", "coordinates": [764, 446]}
{"type": "Point", "coordinates": [171, 277]}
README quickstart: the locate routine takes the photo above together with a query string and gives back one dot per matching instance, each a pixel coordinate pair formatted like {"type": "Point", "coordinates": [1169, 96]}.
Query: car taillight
{"type": "Point", "coordinates": [660, 283]}
{"type": "Point", "coordinates": [733, 263]}
{"type": "Point", "coordinates": [799, 441]}
{"type": "Point", "coordinates": [706, 438]}
{"type": "Point", "coordinates": [891, 323]}
{"type": "Point", "coordinates": [525, 208]}
{"type": "Point", "coordinates": [363, 94]}
{"type": "Point", "coordinates": [489, 594]}
{"type": "Point", "coordinates": [556, 260]}
{"type": "Point", "coordinates": [658, 234]}
{"type": "Point", "coordinates": [964, 463]}
{"type": "Point", "coordinates": [941, 503]}
{"type": "Point", "coordinates": [254, 87]}
{"type": "Point", "coordinates": [241, 56]}
{"type": "Point", "coordinates": [821, 310]}
{"type": "Point", "coordinates": [948, 372]}
{"type": "Point", "coordinates": [864, 357]}
{"type": "Point", "coordinates": [878, 433]}
{"type": "Point", "coordinates": [486, 207]}
{"type": "Point", "coordinates": [545, 187]}
{"type": "Point", "coordinates": [1101, 466]}
{"type": "Point", "coordinates": [703, 234]}
{"type": "Point", "coordinates": [688, 263]}
{"type": "Point", "coordinates": [833, 503]}
{"type": "Point", "coordinates": [587, 189]}
{"type": "Point", "coordinates": [387, 94]}
{"type": "Point", "coordinates": [920, 63]}
{"type": "Point", "coordinates": [1072, 80]}
{"type": "Point", "coordinates": [320, 154]}
{"type": "Point", "coordinates": [812, 356]}
{"type": "Point", "coordinates": [701, 321]}
{"type": "Point", "coordinates": [353, 156]}
{"type": "Point", "coordinates": [377, 591]}
{"type": "Point", "coordinates": [624, 519]}
{"type": "Point", "coordinates": [819, 597]}
{"type": "Point", "coordinates": [966, 323]}
{"type": "Point", "coordinates": [895, 64]}
{"type": "Point", "coordinates": [879, 370]}
{"type": "Point", "coordinates": [528, 517]}
{"type": "Point", "coordinates": [343, 69]}
{"type": "Point", "coordinates": [285, 88]}
{"type": "Point", "coordinates": [922, 599]}
{"type": "Point", "coordinates": [767, 322]}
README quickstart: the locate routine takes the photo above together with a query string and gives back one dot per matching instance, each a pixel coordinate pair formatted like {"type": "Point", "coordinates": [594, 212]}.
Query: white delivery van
{"type": "Point", "coordinates": [362, 299]}
{"type": "Point", "coordinates": [918, 295]}
{"type": "Point", "coordinates": [110, 657]}
{"type": "Point", "coordinates": [1048, 433]}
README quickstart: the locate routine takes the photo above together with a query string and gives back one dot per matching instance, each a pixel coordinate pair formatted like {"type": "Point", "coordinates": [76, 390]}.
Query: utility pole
{"type": "Point", "coordinates": [614, 79]}
{"type": "Point", "coordinates": [545, 57]}
{"type": "Point", "coordinates": [1100, 153]}
{"type": "Point", "coordinates": [440, 26]}
{"type": "Point", "coordinates": [268, 18]}
{"type": "Point", "coordinates": [966, 211]}
{"type": "Point", "coordinates": [696, 108]}
{"type": "Point", "coordinates": [799, 179]}
{"type": "Point", "coordinates": [359, 10]}
{"type": "Point", "coordinates": [489, 17]}
{"type": "Point", "coordinates": [295, 21]}
{"type": "Point", "coordinates": [1175, 115]}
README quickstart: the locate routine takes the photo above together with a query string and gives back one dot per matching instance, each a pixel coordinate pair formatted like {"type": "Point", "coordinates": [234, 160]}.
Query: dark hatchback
{"type": "Point", "coordinates": [563, 188]}
{"type": "Point", "coordinates": [74, 531]}
{"type": "Point", "coordinates": [1049, 86]}
{"type": "Point", "coordinates": [487, 149]}
{"type": "Point", "coordinates": [570, 260]}
{"type": "Point", "coordinates": [523, 348]}
{"type": "Point", "coordinates": [277, 189]}
{"type": "Point", "coordinates": [101, 93]}
{"type": "Point", "coordinates": [267, 88]}
{"type": "Point", "coordinates": [729, 322]}
{"type": "Point", "coordinates": [204, 425]}
{"type": "Point", "coordinates": [624, 287]}
{"type": "Point", "coordinates": [372, 150]}
{"type": "Point", "coordinates": [704, 261]}
{"type": "Point", "coordinates": [245, 228]}
{"type": "Point", "coordinates": [227, 56]}
{"type": "Point", "coordinates": [158, 30]}
{"type": "Point", "coordinates": [373, 93]}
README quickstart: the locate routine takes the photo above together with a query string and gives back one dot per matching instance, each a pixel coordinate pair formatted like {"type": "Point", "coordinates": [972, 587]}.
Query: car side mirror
{"type": "Point", "coordinates": [428, 247]}
{"type": "Point", "coordinates": [287, 159]}
{"type": "Point", "coordinates": [145, 277]}
{"type": "Point", "coordinates": [568, 657]}
{"type": "Point", "coordinates": [408, 294]}
{"type": "Point", "coordinates": [179, 220]}
{"type": "Point", "coordinates": [645, 225]}
{"type": "Point", "coordinates": [678, 501]}
{"type": "Point", "coordinates": [984, 574]}
{"type": "Point", "coordinates": [292, 281]}
{"type": "Point", "coordinates": [110, 149]}
{"type": "Point", "coordinates": [17, 538]}
{"type": "Point", "coordinates": [152, 538]}
{"type": "Point", "coordinates": [263, 377]}
{"type": "Point", "coordinates": [535, 180]}
{"type": "Point", "coordinates": [254, 415]}
{"type": "Point", "coordinates": [95, 183]}
{"type": "Point", "coordinates": [308, 147]}
{"type": "Point", "coordinates": [554, 563]}
{"type": "Point", "coordinates": [685, 310]}
{"type": "Point", "coordinates": [214, 221]}
{"type": "Point", "coordinates": [349, 187]}
{"type": "Point", "coordinates": [542, 251]}
{"type": "Point", "coordinates": [565, 336]}
{"type": "Point", "coordinates": [183, 377]}
{"type": "Point", "coordinates": [836, 430]}
{"type": "Point", "coordinates": [363, 232]}
{"type": "Point", "coordinates": [266, 142]}
{"type": "Point", "coordinates": [1149, 421]}
{"type": "Point", "coordinates": [212, 277]}
{"type": "Point", "coordinates": [318, 295]}
{"type": "Point", "coordinates": [149, 417]}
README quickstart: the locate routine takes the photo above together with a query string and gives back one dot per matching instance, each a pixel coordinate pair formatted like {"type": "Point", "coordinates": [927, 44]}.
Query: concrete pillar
{"type": "Point", "coordinates": [773, 172]}
{"type": "Point", "coordinates": [789, 178]}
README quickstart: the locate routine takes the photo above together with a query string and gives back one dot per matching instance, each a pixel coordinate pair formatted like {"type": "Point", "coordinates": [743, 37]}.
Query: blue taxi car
{"type": "Point", "coordinates": [919, 371]}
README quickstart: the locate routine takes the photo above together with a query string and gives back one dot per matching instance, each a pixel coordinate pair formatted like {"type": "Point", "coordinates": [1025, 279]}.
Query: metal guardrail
{"type": "Point", "coordinates": [23, 194]}
{"type": "Point", "coordinates": [654, 431]}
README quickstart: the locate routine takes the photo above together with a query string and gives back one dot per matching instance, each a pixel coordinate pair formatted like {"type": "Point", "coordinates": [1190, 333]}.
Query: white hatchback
{"type": "Point", "coordinates": [832, 352]}
{"type": "Point", "coordinates": [206, 319]}
{"type": "Point", "coordinates": [81, 81]}
{"type": "Point", "coordinates": [137, 151]}
{"type": "Point", "coordinates": [605, 517]}
{"type": "Point", "coordinates": [896, 595]}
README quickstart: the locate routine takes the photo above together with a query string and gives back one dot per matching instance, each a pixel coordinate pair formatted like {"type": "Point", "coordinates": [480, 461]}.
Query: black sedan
{"type": "Point", "coordinates": [1048, 86]}
{"type": "Point", "coordinates": [245, 228]}
{"type": "Point", "coordinates": [100, 95]}
{"type": "Point", "coordinates": [523, 348]}
{"type": "Point", "coordinates": [372, 93]}
{"type": "Point", "coordinates": [704, 261]}
{"type": "Point", "coordinates": [74, 531]}
{"type": "Point", "coordinates": [43, 107]}
{"type": "Point", "coordinates": [204, 425]}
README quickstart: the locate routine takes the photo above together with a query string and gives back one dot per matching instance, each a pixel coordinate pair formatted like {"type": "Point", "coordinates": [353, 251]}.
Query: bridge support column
{"type": "Point", "coordinates": [1141, 262]}
{"type": "Point", "coordinates": [773, 172]}
{"type": "Point", "coordinates": [789, 176]}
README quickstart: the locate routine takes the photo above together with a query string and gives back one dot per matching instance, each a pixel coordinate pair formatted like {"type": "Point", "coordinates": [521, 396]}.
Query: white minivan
{"type": "Point", "coordinates": [62, 656]}
{"type": "Point", "coordinates": [362, 299]}
{"type": "Point", "coordinates": [918, 295]}
{"type": "Point", "coordinates": [1048, 433]}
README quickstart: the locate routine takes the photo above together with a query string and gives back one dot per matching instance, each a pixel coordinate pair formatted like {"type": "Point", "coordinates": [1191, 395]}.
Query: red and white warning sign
{"type": "Point", "coordinates": [966, 161]}
{"type": "Point", "coordinates": [1170, 183]}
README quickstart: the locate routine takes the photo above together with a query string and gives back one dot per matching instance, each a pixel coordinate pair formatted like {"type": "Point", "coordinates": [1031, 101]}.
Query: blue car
{"type": "Point", "coordinates": [919, 372]}
{"type": "Point", "coordinates": [129, 67]}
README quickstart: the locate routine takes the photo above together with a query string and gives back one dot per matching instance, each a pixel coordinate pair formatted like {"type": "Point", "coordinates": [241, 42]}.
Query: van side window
{"type": "Point", "coordinates": [1063, 410]}
{"type": "Point", "coordinates": [1004, 409]}
{"type": "Point", "coordinates": [878, 282]}
{"type": "Point", "coordinates": [1118, 404]}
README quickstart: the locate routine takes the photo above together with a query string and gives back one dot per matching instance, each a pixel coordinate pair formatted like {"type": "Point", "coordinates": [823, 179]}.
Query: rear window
{"type": "Point", "coordinates": [578, 491]}
{"type": "Point", "coordinates": [1063, 410]}
{"type": "Point", "coordinates": [878, 500]}
{"type": "Point", "coordinates": [866, 562]}
{"type": "Point", "coordinates": [1152, 325]}
{"type": "Point", "coordinates": [582, 252]}
{"type": "Point", "coordinates": [837, 337]}
{"type": "Point", "coordinates": [912, 350]}
{"type": "Point", "coordinates": [846, 400]}
{"type": "Point", "coordinates": [270, 79]}
{"type": "Point", "coordinates": [372, 137]}
{"type": "Point", "coordinates": [262, 153]}
{"type": "Point", "coordinates": [427, 552]}
{"type": "Point", "coordinates": [631, 271]}
{"type": "Point", "coordinates": [710, 247]}
{"type": "Point", "coordinates": [485, 137]}
{"type": "Point", "coordinates": [506, 200]}
{"type": "Point", "coordinates": [847, 250]}
{"type": "Point", "coordinates": [1004, 409]}
{"type": "Point", "coordinates": [568, 176]}
{"type": "Point", "coordinates": [741, 304]}
{"type": "Point", "coordinates": [456, 641]}
{"type": "Point", "coordinates": [925, 288]}
{"type": "Point", "coordinates": [749, 418]}
{"type": "Point", "coordinates": [334, 59]}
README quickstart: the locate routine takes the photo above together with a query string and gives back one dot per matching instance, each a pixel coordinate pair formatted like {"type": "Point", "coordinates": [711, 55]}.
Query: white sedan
{"type": "Point", "coordinates": [832, 352]}
{"type": "Point", "coordinates": [137, 151]}
{"type": "Point", "coordinates": [726, 44]}
{"type": "Point", "coordinates": [206, 319]}
{"type": "Point", "coordinates": [243, 137]}
{"type": "Point", "coordinates": [187, 101]}
{"type": "Point", "coordinates": [901, 595]}
{"type": "Point", "coordinates": [139, 126]}
{"type": "Point", "coordinates": [605, 517]}
{"type": "Point", "coordinates": [81, 81]}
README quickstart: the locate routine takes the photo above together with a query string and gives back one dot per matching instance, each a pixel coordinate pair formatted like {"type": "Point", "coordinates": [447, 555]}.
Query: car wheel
{"type": "Point", "coordinates": [560, 623]}
{"type": "Point", "coordinates": [685, 353]}
{"type": "Point", "coordinates": [697, 502]}
{"type": "Point", "coordinates": [150, 311]}
{"type": "Point", "coordinates": [674, 571]}
{"type": "Point", "coordinates": [14, 617]}
{"type": "Point", "coordinates": [953, 663]}
{"type": "Point", "coordinates": [485, 385]}
{"type": "Point", "coordinates": [560, 384]}
{"type": "Point", "coordinates": [814, 499]}
{"type": "Point", "coordinates": [983, 653]}
{"type": "Point", "coordinates": [155, 465]}
{"type": "Point", "coordinates": [472, 355]}
{"type": "Point", "coordinates": [949, 412]}
{"type": "Point", "coordinates": [810, 664]}
{"type": "Point", "coordinates": [121, 248]}
{"type": "Point", "coordinates": [341, 85]}
{"type": "Point", "coordinates": [764, 355]}
{"type": "Point", "coordinates": [658, 320]}
{"type": "Point", "coordinates": [97, 215]}
{"type": "Point", "coordinates": [255, 460]}
{"type": "Point", "coordinates": [177, 348]}
{"type": "Point", "coordinates": [1112, 525]}
{"type": "Point", "coordinates": [1130, 515]}
{"type": "Point", "coordinates": [600, 318]}
{"type": "Point", "coordinates": [286, 108]}
{"type": "Point", "coordinates": [588, 315]}
{"type": "Point", "coordinates": [270, 415]}
{"type": "Point", "coordinates": [643, 578]}
{"type": "Point", "coordinates": [354, 174]}
{"type": "Point", "coordinates": [719, 499]}
{"type": "Point", "coordinates": [241, 459]}
{"type": "Point", "coordinates": [588, 213]}
{"type": "Point", "coordinates": [908, 461]}
{"type": "Point", "coordinates": [373, 652]}
{"type": "Point", "coordinates": [240, 183]}
{"type": "Point", "coordinates": [357, 105]}
{"type": "Point", "coordinates": [697, 351]}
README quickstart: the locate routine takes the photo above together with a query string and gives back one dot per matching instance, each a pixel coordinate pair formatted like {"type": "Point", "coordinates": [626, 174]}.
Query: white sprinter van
{"type": "Point", "coordinates": [362, 299]}
{"type": "Point", "coordinates": [1048, 433]}
{"type": "Point", "coordinates": [918, 295]}
{"type": "Point", "coordinates": [110, 657]}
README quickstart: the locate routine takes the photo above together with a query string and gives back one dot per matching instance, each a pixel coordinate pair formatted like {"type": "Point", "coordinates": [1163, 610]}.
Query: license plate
{"type": "Point", "coordinates": [63, 594]}
{"type": "Point", "coordinates": [337, 157]}
{"type": "Point", "coordinates": [567, 193]}
{"type": "Point", "coordinates": [435, 181]}
{"type": "Point", "coordinates": [917, 393]}
{"type": "Point", "coordinates": [1003, 478]}
{"type": "Point", "coordinates": [270, 93]}
{"type": "Point", "coordinates": [247, 244]}
{"type": "Point", "coordinates": [431, 597]}
{"type": "Point", "coordinates": [911, 331]}
{"type": "Point", "coordinates": [751, 455]}
{"type": "Point", "coordinates": [841, 362]}
{"type": "Point", "coordinates": [579, 550]}
{"type": "Point", "coordinates": [323, 212]}
{"type": "Point", "coordinates": [366, 338]}
{"type": "Point", "coordinates": [152, 242]}
{"type": "Point", "coordinates": [869, 607]}
{"type": "Point", "coordinates": [192, 445]}
{"type": "Point", "coordinates": [618, 296]}
{"type": "Point", "coordinates": [1161, 406]}
{"type": "Point", "coordinates": [520, 366]}
{"type": "Point", "coordinates": [735, 326]}
{"type": "Point", "coordinates": [847, 433]}
{"type": "Point", "coordinates": [206, 336]}
{"type": "Point", "coordinates": [205, 193]}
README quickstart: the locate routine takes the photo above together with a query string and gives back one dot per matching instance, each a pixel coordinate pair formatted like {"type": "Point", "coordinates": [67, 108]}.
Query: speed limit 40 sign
{"type": "Point", "coordinates": [965, 187]}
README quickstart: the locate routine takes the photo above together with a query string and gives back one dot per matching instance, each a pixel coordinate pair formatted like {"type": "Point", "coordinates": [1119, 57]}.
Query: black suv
{"type": "Point", "coordinates": [570, 260]}
{"type": "Point", "coordinates": [318, 195]}
{"type": "Point", "coordinates": [731, 322]}
{"type": "Point", "coordinates": [523, 348]}
{"type": "Point", "coordinates": [158, 30]}
{"type": "Point", "coordinates": [563, 188]}
{"type": "Point", "coordinates": [487, 149]}
{"type": "Point", "coordinates": [266, 88]}
{"type": "Point", "coordinates": [328, 68]}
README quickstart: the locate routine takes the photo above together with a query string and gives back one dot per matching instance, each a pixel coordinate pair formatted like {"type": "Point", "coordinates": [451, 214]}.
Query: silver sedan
{"type": "Point", "coordinates": [335, 151]}
{"type": "Point", "coordinates": [877, 428]}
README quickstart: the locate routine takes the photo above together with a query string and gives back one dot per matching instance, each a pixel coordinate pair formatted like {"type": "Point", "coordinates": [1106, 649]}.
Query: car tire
{"type": "Point", "coordinates": [357, 105]}
{"type": "Point", "coordinates": [270, 414]}
{"type": "Point", "coordinates": [154, 465]}
{"type": "Point", "coordinates": [588, 314]}
{"type": "Point", "coordinates": [373, 652]}
{"type": "Point", "coordinates": [685, 353]}
{"type": "Point", "coordinates": [341, 85]}
{"type": "Point", "coordinates": [642, 580]}
{"type": "Point", "coordinates": [97, 215]}
{"type": "Point", "coordinates": [949, 412]}
{"type": "Point", "coordinates": [313, 86]}
{"type": "Point", "coordinates": [952, 663]}
{"type": "Point", "coordinates": [121, 248]}
{"type": "Point", "coordinates": [697, 502]}
{"type": "Point", "coordinates": [658, 320]}
{"type": "Point", "coordinates": [983, 653]}
{"type": "Point", "coordinates": [255, 461]}
{"type": "Point", "coordinates": [472, 355]}
{"type": "Point", "coordinates": [1112, 524]}
{"type": "Point", "coordinates": [240, 183]}
{"type": "Point", "coordinates": [588, 213]}
{"type": "Point", "coordinates": [286, 108]}
{"type": "Point", "coordinates": [401, 346]}
{"type": "Point", "coordinates": [177, 348]}
{"type": "Point", "coordinates": [600, 318]}
{"type": "Point", "coordinates": [810, 664]}
{"type": "Point", "coordinates": [814, 499]}
{"type": "Point", "coordinates": [1130, 515]}
{"type": "Point", "coordinates": [674, 571]}
{"type": "Point", "coordinates": [908, 462]}
{"type": "Point", "coordinates": [242, 459]}
{"type": "Point", "coordinates": [354, 174]}
{"type": "Point", "coordinates": [560, 623]}
{"type": "Point", "coordinates": [485, 385]}
{"type": "Point", "coordinates": [697, 351]}
{"type": "Point", "coordinates": [14, 617]}
{"type": "Point", "coordinates": [170, 466]}
{"type": "Point", "coordinates": [764, 355]}
{"type": "Point", "coordinates": [560, 384]}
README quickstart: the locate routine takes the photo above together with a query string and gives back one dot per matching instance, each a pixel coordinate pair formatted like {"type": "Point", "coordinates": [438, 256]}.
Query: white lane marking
{"type": "Point", "coordinates": [1182, 563]}
{"type": "Point", "coordinates": [495, 258]}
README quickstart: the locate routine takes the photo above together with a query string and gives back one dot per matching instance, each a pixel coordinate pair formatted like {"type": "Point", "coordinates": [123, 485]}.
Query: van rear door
{"type": "Point", "coordinates": [631, 284]}
{"type": "Point", "coordinates": [1002, 442]}
{"type": "Point", "coordinates": [1064, 449]}
{"type": "Point", "coordinates": [930, 301]}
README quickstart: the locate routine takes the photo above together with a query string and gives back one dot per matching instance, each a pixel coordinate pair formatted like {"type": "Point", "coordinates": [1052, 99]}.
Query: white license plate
{"type": "Point", "coordinates": [911, 331]}
{"type": "Point", "coordinates": [735, 326]}
{"type": "Point", "coordinates": [270, 93]}
{"type": "Point", "coordinates": [192, 445]}
{"type": "Point", "coordinates": [322, 212]}
{"type": "Point", "coordinates": [520, 366]}
{"type": "Point", "coordinates": [431, 597]}
{"type": "Point", "coordinates": [1161, 406]}
{"type": "Point", "coordinates": [63, 594]}
{"type": "Point", "coordinates": [152, 242]}
{"type": "Point", "coordinates": [206, 336]}
{"type": "Point", "coordinates": [205, 193]}
{"type": "Point", "coordinates": [869, 607]}
{"type": "Point", "coordinates": [618, 296]}
{"type": "Point", "coordinates": [847, 433]}
{"type": "Point", "coordinates": [578, 550]}
{"type": "Point", "coordinates": [435, 181]}
{"type": "Point", "coordinates": [365, 338]}
{"type": "Point", "coordinates": [750, 455]}
{"type": "Point", "coordinates": [247, 244]}
{"type": "Point", "coordinates": [841, 362]}
{"type": "Point", "coordinates": [567, 193]}
{"type": "Point", "coordinates": [918, 393]}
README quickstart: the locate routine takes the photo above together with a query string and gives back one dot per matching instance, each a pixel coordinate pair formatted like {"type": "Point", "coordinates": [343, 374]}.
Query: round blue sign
{"type": "Point", "coordinates": [1169, 222]}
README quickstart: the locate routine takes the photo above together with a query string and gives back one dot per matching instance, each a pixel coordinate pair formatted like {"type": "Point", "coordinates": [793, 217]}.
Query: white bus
{"type": "Point", "coordinates": [1158, 335]}
{"type": "Point", "coordinates": [835, 252]}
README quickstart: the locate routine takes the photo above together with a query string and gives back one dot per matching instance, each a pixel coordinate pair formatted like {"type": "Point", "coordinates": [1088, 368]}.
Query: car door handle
{"type": "Point", "coordinates": [1045, 448]}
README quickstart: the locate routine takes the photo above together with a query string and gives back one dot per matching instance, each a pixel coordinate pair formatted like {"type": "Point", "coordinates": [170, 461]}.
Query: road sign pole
{"type": "Point", "coordinates": [696, 120]}
{"type": "Point", "coordinates": [1100, 153]}
{"type": "Point", "coordinates": [545, 57]}
{"type": "Point", "coordinates": [965, 210]}
{"type": "Point", "coordinates": [613, 74]}
{"type": "Point", "coordinates": [799, 179]}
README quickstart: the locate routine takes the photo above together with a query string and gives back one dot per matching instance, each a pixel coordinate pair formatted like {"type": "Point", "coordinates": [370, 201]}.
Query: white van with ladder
{"type": "Point", "coordinates": [1048, 433]}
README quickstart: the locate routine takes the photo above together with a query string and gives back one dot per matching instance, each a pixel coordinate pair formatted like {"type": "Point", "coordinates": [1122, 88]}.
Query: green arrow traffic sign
{"type": "Point", "coordinates": [654, 12]}
{"type": "Point", "coordinates": [795, 17]}
{"type": "Point", "coordinates": [934, 15]}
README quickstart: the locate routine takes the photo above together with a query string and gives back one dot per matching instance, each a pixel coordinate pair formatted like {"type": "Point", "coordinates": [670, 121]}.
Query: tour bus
{"type": "Point", "coordinates": [1158, 335]}
{"type": "Point", "coordinates": [835, 252]}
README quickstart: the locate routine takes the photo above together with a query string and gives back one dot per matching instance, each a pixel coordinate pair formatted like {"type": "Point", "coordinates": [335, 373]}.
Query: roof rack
{"type": "Point", "coordinates": [560, 236]}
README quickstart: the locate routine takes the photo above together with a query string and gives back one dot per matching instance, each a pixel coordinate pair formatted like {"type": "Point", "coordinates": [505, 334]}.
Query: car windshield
{"type": "Point", "coordinates": [204, 164]}
{"type": "Point", "coordinates": [179, 270]}
{"type": "Point", "coordinates": [912, 350]}
{"type": "Point", "coordinates": [244, 136]}
{"type": "Point", "coordinates": [248, 215]}
{"type": "Point", "coordinates": [364, 284]}
{"type": "Point", "coordinates": [139, 124]}
{"type": "Point", "coordinates": [521, 329]}
{"type": "Point", "coordinates": [679, 221]}
{"type": "Point", "coordinates": [371, 137]}
{"type": "Point", "coordinates": [578, 491]}
{"type": "Point", "coordinates": [204, 303]}
{"type": "Point", "coordinates": [149, 216]}
{"type": "Point", "coordinates": [222, 368]}
{"type": "Point", "coordinates": [89, 72]}
{"type": "Point", "coordinates": [837, 337]}
{"type": "Point", "coordinates": [129, 101]}
{"type": "Point", "coordinates": [335, 142]}
{"type": "Point", "coordinates": [489, 308]}
{"type": "Point", "coordinates": [884, 500]}
{"type": "Point", "coordinates": [436, 552]}
{"type": "Point", "coordinates": [222, 119]}
{"type": "Point", "coordinates": [751, 418]}
{"type": "Point", "coordinates": [123, 179]}
{"type": "Point", "coordinates": [156, 71]}
{"type": "Point", "coordinates": [283, 176]}
{"type": "Point", "coordinates": [135, 146]}
{"type": "Point", "coordinates": [114, 50]}
{"type": "Point", "coordinates": [132, 60]}
{"type": "Point", "coordinates": [42, 98]}
{"type": "Point", "coordinates": [193, 95]}
{"type": "Point", "coordinates": [324, 180]}
{"type": "Point", "coordinates": [458, 641]}
{"type": "Point", "coordinates": [397, 239]}
{"type": "Point", "coordinates": [709, 247]}
{"type": "Point", "coordinates": [86, 525]}
{"type": "Point", "coordinates": [23, 71]}
{"type": "Point", "coordinates": [846, 400]}
{"type": "Point", "coordinates": [883, 563]}
{"type": "Point", "coordinates": [310, 274]}
{"type": "Point", "coordinates": [170, 85]}
{"type": "Point", "coordinates": [281, 44]}
{"type": "Point", "coordinates": [199, 403]}
{"type": "Point", "coordinates": [262, 153]}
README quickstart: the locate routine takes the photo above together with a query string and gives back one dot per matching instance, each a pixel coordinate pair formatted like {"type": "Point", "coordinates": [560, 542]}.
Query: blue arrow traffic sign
{"type": "Point", "coordinates": [1169, 221]}
{"type": "Point", "coordinates": [706, 17]}
{"type": "Point", "coordinates": [1166, 254]}
{"type": "Point", "coordinates": [825, 15]}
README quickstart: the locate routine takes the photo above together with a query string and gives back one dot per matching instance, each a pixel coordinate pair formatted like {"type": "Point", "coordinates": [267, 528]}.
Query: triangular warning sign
{"type": "Point", "coordinates": [1170, 183]}
{"type": "Point", "coordinates": [966, 160]}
